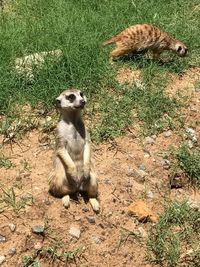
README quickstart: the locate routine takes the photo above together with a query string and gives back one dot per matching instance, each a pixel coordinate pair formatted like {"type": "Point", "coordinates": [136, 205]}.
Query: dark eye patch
{"type": "Point", "coordinates": [71, 97]}
{"type": "Point", "coordinates": [179, 48]}
{"type": "Point", "coordinates": [81, 94]}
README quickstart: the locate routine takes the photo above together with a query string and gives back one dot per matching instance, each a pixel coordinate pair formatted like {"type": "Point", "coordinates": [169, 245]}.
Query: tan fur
{"type": "Point", "coordinates": [73, 171]}
{"type": "Point", "coordinates": [143, 37]}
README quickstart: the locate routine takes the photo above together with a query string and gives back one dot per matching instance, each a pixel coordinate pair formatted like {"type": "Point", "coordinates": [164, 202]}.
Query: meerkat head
{"type": "Point", "coordinates": [181, 49]}
{"type": "Point", "coordinates": [71, 100]}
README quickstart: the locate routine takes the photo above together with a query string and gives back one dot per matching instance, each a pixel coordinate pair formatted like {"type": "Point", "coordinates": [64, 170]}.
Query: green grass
{"type": "Point", "coordinates": [9, 200]}
{"type": "Point", "coordinates": [189, 162]}
{"type": "Point", "coordinates": [78, 28]}
{"type": "Point", "coordinates": [53, 254]}
{"type": "Point", "coordinates": [174, 241]}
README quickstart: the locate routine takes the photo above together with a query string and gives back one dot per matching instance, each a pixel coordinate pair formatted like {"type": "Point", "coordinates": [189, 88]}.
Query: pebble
{"type": "Point", "coordinates": [190, 131]}
{"type": "Point", "coordinates": [107, 181]}
{"type": "Point", "coordinates": [2, 239]}
{"type": "Point", "coordinates": [38, 229]}
{"type": "Point", "coordinates": [90, 219]}
{"type": "Point", "coordinates": [149, 140]}
{"type": "Point", "coordinates": [12, 227]}
{"type": "Point", "coordinates": [150, 194]}
{"type": "Point", "coordinates": [2, 259]}
{"type": "Point", "coordinates": [138, 174]}
{"type": "Point", "coordinates": [168, 133]}
{"type": "Point", "coordinates": [146, 155]}
{"type": "Point", "coordinates": [165, 163]}
{"type": "Point", "coordinates": [142, 167]}
{"type": "Point", "coordinates": [197, 89]}
{"type": "Point", "coordinates": [12, 251]}
{"type": "Point", "coordinates": [190, 144]}
{"type": "Point", "coordinates": [97, 239]}
{"type": "Point", "coordinates": [75, 232]}
{"type": "Point", "coordinates": [27, 197]}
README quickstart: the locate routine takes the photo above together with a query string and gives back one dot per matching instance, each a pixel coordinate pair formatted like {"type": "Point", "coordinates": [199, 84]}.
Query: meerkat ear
{"type": "Point", "coordinates": [179, 48]}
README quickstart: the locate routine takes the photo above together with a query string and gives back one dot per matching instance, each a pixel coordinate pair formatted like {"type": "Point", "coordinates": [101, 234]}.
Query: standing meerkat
{"type": "Point", "coordinates": [73, 171]}
{"type": "Point", "coordinates": [143, 37]}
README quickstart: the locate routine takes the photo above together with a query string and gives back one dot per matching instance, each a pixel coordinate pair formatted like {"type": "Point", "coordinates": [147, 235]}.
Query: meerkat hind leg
{"type": "Point", "coordinates": [66, 201]}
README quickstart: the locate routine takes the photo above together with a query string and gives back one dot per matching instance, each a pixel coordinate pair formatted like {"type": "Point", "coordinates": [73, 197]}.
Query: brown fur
{"type": "Point", "coordinates": [143, 37]}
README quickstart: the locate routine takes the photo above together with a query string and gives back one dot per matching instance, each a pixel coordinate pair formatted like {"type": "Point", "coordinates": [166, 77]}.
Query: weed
{"type": "Point", "coordinates": [174, 240]}
{"type": "Point", "coordinates": [189, 162]}
{"type": "Point", "coordinates": [53, 253]}
{"type": "Point", "coordinates": [5, 162]}
{"type": "Point", "coordinates": [10, 200]}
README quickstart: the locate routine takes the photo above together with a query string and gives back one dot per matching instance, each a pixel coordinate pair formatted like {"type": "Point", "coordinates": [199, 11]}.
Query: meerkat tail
{"type": "Point", "coordinates": [66, 201]}
{"type": "Point", "coordinates": [111, 41]}
{"type": "Point", "coordinates": [95, 204]}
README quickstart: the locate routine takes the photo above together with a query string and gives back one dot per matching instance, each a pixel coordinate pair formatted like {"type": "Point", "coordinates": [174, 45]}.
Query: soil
{"type": "Point", "coordinates": [116, 238]}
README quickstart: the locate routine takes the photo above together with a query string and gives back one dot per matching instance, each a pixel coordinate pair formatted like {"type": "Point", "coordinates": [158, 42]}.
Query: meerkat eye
{"type": "Point", "coordinates": [71, 97]}
{"type": "Point", "coordinates": [81, 94]}
{"type": "Point", "coordinates": [179, 49]}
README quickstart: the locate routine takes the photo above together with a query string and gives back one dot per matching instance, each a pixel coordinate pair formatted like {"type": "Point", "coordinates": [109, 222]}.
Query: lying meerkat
{"type": "Point", "coordinates": [143, 37]}
{"type": "Point", "coordinates": [73, 171]}
{"type": "Point", "coordinates": [24, 65]}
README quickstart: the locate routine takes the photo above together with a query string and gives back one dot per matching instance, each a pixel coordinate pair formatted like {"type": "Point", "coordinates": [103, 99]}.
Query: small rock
{"type": "Point", "coordinates": [97, 239]}
{"type": "Point", "coordinates": [190, 144]}
{"type": "Point", "coordinates": [168, 133]}
{"type": "Point", "coordinates": [193, 108]}
{"type": "Point", "coordinates": [154, 136]}
{"type": "Point", "coordinates": [165, 163]}
{"type": "Point", "coordinates": [12, 251]}
{"type": "Point", "coordinates": [150, 194]}
{"type": "Point", "coordinates": [12, 227]}
{"type": "Point", "coordinates": [138, 174]}
{"type": "Point", "coordinates": [194, 139]}
{"type": "Point", "coordinates": [147, 155]}
{"type": "Point", "coordinates": [190, 131]}
{"type": "Point", "coordinates": [107, 181]}
{"type": "Point", "coordinates": [38, 229]}
{"type": "Point", "coordinates": [90, 219]}
{"type": "Point", "coordinates": [2, 259]}
{"type": "Point", "coordinates": [27, 197]}
{"type": "Point", "coordinates": [149, 140]}
{"type": "Point", "coordinates": [142, 167]}
{"type": "Point", "coordinates": [75, 232]}
{"type": "Point", "coordinates": [2, 239]}
{"type": "Point", "coordinates": [197, 89]}
{"type": "Point", "coordinates": [142, 212]}
{"type": "Point", "coordinates": [47, 201]}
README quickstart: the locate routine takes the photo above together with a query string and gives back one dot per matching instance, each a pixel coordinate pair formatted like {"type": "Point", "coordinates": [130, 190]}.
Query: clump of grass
{"type": "Point", "coordinates": [189, 162]}
{"type": "Point", "coordinates": [9, 200]}
{"type": "Point", "coordinates": [5, 162]}
{"type": "Point", "coordinates": [174, 240]}
{"type": "Point", "coordinates": [53, 254]}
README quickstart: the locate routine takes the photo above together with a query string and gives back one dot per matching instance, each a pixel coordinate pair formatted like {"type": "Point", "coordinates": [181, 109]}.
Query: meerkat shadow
{"type": "Point", "coordinates": [85, 196]}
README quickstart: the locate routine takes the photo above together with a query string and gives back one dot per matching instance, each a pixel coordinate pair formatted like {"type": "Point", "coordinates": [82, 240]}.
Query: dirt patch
{"type": "Point", "coordinates": [128, 76]}
{"type": "Point", "coordinates": [185, 84]}
{"type": "Point", "coordinates": [128, 169]}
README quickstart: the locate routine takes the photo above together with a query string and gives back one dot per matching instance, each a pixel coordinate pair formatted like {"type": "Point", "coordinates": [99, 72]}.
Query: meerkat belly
{"type": "Point", "coordinates": [76, 150]}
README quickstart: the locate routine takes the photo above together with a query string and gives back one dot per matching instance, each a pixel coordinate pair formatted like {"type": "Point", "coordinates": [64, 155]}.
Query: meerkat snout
{"type": "Point", "coordinates": [181, 49]}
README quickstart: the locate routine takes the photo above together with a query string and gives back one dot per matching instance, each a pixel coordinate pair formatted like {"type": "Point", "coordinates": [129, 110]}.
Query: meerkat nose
{"type": "Point", "coordinates": [57, 102]}
{"type": "Point", "coordinates": [82, 101]}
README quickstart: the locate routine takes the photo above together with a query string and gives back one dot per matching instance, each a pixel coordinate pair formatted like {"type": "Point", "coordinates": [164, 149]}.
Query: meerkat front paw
{"type": "Point", "coordinates": [66, 201]}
